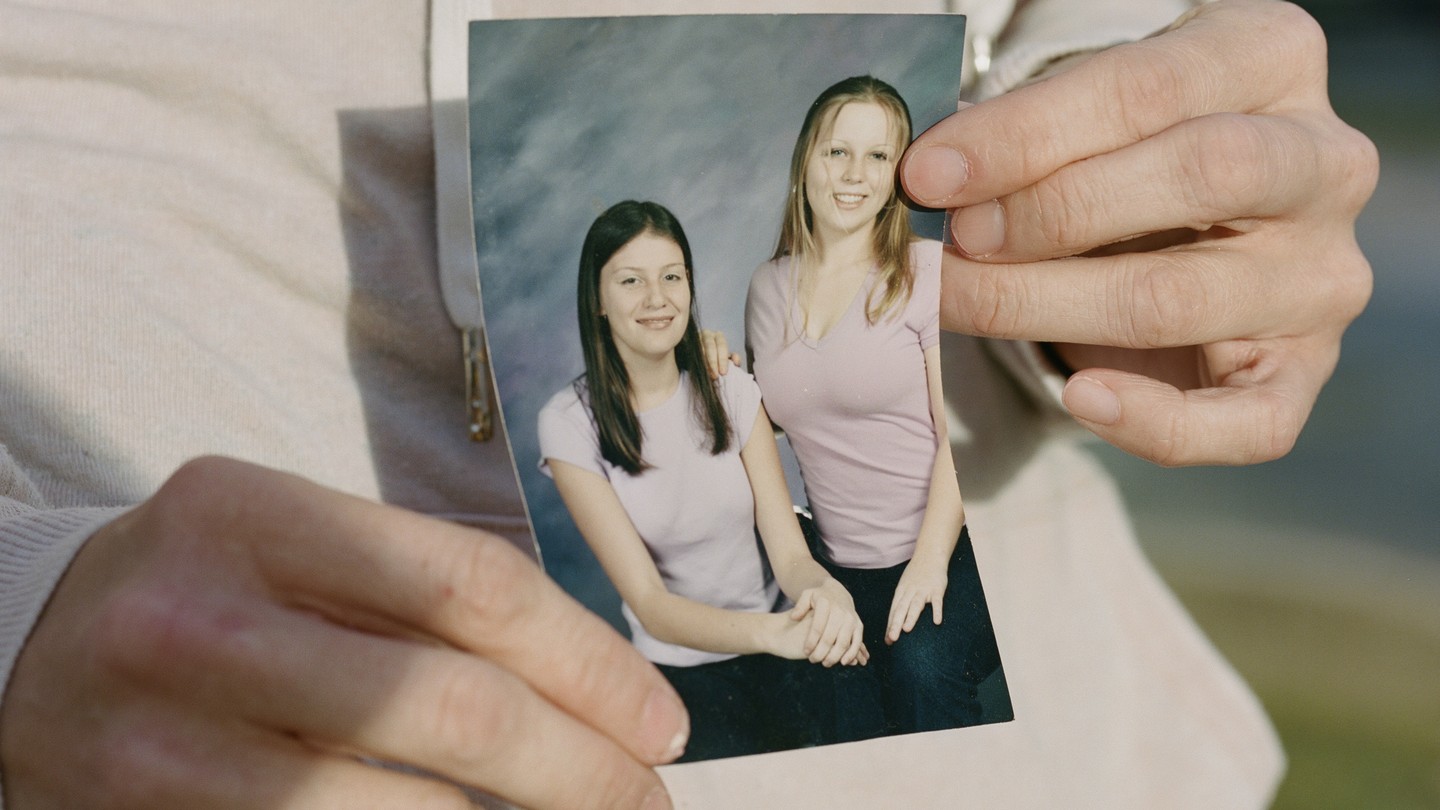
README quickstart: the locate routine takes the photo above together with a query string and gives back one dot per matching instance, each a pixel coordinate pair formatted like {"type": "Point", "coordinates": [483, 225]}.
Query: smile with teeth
{"type": "Point", "coordinates": [655, 323]}
{"type": "Point", "coordinates": [848, 200]}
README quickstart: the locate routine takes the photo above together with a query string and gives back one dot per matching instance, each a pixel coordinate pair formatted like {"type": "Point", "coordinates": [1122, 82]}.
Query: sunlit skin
{"type": "Point", "coordinates": [851, 174]}
{"type": "Point", "coordinates": [645, 297]}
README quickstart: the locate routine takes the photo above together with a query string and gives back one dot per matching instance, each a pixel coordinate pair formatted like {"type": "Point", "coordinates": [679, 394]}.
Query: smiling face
{"type": "Point", "coordinates": [850, 172]}
{"type": "Point", "coordinates": [645, 297]}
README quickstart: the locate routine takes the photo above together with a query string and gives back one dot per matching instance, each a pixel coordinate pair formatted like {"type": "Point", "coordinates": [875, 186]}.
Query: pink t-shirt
{"type": "Point", "coordinates": [694, 510]}
{"type": "Point", "coordinates": [856, 407]}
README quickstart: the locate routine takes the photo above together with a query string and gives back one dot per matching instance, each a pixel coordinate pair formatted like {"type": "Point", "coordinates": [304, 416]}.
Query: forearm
{"type": "Point", "coordinates": [795, 570]}
{"type": "Point", "coordinates": [944, 513]}
{"type": "Point", "coordinates": [944, 510]}
{"type": "Point", "coordinates": [677, 620]}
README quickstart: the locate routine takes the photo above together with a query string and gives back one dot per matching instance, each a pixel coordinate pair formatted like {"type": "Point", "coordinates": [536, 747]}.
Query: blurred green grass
{"type": "Point", "coordinates": [1353, 693]}
{"type": "Point", "coordinates": [1340, 639]}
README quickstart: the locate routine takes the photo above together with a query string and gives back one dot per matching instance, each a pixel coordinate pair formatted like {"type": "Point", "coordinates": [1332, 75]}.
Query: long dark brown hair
{"type": "Point", "coordinates": [893, 235]}
{"type": "Point", "coordinates": [606, 383]}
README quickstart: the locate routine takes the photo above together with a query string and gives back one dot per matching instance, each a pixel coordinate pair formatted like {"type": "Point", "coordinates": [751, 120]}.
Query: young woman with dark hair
{"type": "Point", "coordinates": [668, 474]}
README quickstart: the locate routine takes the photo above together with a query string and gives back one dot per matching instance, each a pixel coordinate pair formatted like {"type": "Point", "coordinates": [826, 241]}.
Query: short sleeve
{"type": "Point", "coordinates": [759, 310]}
{"type": "Point", "coordinates": [741, 395]}
{"type": "Point", "coordinates": [567, 434]}
{"type": "Point", "coordinates": [925, 297]}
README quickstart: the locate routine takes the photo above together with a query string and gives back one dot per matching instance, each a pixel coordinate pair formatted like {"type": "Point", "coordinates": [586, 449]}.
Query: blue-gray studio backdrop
{"type": "Point", "coordinates": [698, 113]}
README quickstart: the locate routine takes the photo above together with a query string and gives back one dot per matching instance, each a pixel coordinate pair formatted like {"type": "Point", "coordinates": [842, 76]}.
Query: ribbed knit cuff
{"type": "Point", "coordinates": [1046, 30]}
{"type": "Point", "coordinates": [35, 551]}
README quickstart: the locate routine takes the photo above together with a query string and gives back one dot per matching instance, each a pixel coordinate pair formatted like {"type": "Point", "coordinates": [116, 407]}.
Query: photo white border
{"type": "Point", "coordinates": [912, 771]}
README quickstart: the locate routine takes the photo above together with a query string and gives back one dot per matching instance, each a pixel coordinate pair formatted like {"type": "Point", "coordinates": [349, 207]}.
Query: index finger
{"type": "Point", "coordinates": [717, 351]}
{"type": "Point", "coordinates": [1226, 57]}
{"type": "Point", "coordinates": [899, 607]}
{"type": "Point", "coordinates": [393, 571]}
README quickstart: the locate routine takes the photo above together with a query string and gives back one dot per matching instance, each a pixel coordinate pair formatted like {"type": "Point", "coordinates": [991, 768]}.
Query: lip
{"type": "Point", "coordinates": [845, 200]}
{"type": "Point", "coordinates": [658, 323]}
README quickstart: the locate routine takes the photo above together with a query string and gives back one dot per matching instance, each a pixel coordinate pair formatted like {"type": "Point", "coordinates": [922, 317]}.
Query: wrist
{"type": "Point", "coordinates": [768, 638]}
{"type": "Point", "coordinates": [932, 557]}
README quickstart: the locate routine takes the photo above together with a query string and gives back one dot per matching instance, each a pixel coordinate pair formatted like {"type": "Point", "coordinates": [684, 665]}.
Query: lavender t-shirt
{"type": "Point", "coordinates": [855, 406]}
{"type": "Point", "coordinates": [694, 510]}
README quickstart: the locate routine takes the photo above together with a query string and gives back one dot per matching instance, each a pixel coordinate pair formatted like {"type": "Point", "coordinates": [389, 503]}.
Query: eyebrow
{"type": "Point", "coordinates": [827, 141]}
{"type": "Point", "coordinates": [632, 269]}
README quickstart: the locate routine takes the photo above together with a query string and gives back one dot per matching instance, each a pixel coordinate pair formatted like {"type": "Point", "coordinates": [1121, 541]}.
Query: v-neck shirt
{"type": "Point", "coordinates": [855, 405]}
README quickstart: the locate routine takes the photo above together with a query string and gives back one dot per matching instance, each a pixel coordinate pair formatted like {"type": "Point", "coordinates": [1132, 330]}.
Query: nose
{"type": "Point", "coordinates": [851, 172]}
{"type": "Point", "coordinates": [653, 298]}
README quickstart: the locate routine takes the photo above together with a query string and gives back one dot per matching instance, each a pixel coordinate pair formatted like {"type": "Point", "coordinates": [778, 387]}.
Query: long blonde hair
{"type": "Point", "coordinates": [892, 234]}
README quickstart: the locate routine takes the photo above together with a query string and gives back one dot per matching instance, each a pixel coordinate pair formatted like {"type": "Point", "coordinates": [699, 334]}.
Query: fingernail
{"type": "Point", "coordinates": [979, 230]}
{"type": "Point", "coordinates": [1092, 401]}
{"type": "Point", "coordinates": [657, 799]}
{"type": "Point", "coordinates": [664, 718]}
{"type": "Point", "coordinates": [935, 174]}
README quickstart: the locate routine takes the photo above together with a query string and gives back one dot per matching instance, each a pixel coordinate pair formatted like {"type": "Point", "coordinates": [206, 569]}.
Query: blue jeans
{"type": "Point", "coordinates": [928, 679]}
{"type": "Point", "coordinates": [754, 704]}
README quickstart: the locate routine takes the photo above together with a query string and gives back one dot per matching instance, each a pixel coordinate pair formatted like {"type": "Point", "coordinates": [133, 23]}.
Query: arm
{"type": "Point", "coordinates": [603, 522]}
{"type": "Point", "coordinates": [193, 644]}
{"type": "Point", "coordinates": [925, 578]}
{"type": "Point", "coordinates": [836, 634]}
{"type": "Point", "coordinates": [1207, 167]}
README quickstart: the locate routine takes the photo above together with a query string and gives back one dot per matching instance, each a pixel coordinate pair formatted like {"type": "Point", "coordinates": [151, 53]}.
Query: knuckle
{"type": "Point", "coordinates": [494, 586]}
{"type": "Point", "coordinates": [992, 303]}
{"type": "Point", "coordinates": [1359, 166]}
{"type": "Point", "coordinates": [1286, 421]}
{"type": "Point", "coordinates": [610, 785]}
{"type": "Point", "coordinates": [1169, 447]}
{"type": "Point", "coordinates": [1150, 85]}
{"type": "Point", "coordinates": [200, 477]}
{"type": "Point", "coordinates": [152, 637]}
{"type": "Point", "coordinates": [1064, 207]}
{"type": "Point", "coordinates": [1167, 304]}
{"type": "Point", "coordinates": [597, 675]}
{"type": "Point", "coordinates": [1356, 283]}
{"type": "Point", "coordinates": [134, 636]}
{"type": "Point", "coordinates": [473, 720]}
{"type": "Point", "coordinates": [1298, 32]}
{"type": "Point", "coordinates": [205, 491]}
{"type": "Point", "coordinates": [1277, 425]}
{"type": "Point", "coordinates": [1224, 167]}
{"type": "Point", "coordinates": [1344, 283]}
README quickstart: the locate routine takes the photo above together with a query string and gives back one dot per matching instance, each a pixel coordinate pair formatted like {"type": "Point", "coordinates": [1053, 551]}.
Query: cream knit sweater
{"type": "Point", "coordinates": [217, 235]}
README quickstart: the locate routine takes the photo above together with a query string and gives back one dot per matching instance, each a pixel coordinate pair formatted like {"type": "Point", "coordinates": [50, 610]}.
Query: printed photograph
{"type": "Point", "coordinates": [713, 319]}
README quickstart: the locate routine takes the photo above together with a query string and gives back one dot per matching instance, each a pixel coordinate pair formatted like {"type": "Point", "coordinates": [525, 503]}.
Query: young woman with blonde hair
{"type": "Point", "coordinates": [842, 332]}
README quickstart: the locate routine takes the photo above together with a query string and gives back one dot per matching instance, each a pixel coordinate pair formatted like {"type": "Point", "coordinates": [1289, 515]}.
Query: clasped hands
{"type": "Point", "coordinates": [823, 628]}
